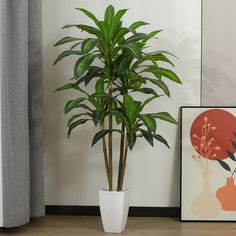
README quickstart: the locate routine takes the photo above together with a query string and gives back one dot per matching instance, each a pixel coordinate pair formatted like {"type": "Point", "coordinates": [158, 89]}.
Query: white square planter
{"type": "Point", "coordinates": [114, 208]}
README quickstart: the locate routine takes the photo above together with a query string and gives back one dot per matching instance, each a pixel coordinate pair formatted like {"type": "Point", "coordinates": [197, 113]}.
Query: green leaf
{"type": "Point", "coordinates": [147, 101]}
{"type": "Point", "coordinates": [153, 57]}
{"type": "Point", "coordinates": [164, 116]}
{"type": "Point", "coordinates": [93, 72]}
{"type": "Point", "coordinates": [121, 118]}
{"type": "Point", "coordinates": [98, 116]}
{"type": "Point", "coordinates": [116, 20]}
{"type": "Point", "coordinates": [66, 39]}
{"type": "Point", "coordinates": [99, 135]}
{"type": "Point", "coordinates": [75, 124]}
{"type": "Point", "coordinates": [149, 122]}
{"type": "Point", "coordinates": [64, 87]}
{"type": "Point", "coordinates": [160, 71]}
{"type": "Point", "coordinates": [135, 38]}
{"type": "Point", "coordinates": [66, 54]}
{"type": "Point", "coordinates": [102, 133]}
{"type": "Point", "coordinates": [167, 53]}
{"type": "Point", "coordinates": [116, 23]}
{"type": "Point", "coordinates": [231, 155]}
{"type": "Point", "coordinates": [131, 108]}
{"type": "Point", "coordinates": [154, 70]}
{"type": "Point", "coordinates": [148, 91]}
{"type": "Point", "coordinates": [101, 95]}
{"type": "Point", "coordinates": [77, 116]}
{"type": "Point", "coordinates": [137, 24]}
{"type": "Point", "coordinates": [90, 15]}
{"type": "Point", "coordinates": [94, 102]}
{"type": "Point", "coordinates": [70, 105]}
{"type": "Point", "coordinates": [151, 35]}
{"type": "Point", "coordinates": [133, 49]}
{"type": "Point", "coordinates": [148, 57]}
{"type": "Point", "coordinates": [131, 137]}
{"type": "Point", "coordinates": [109, 14]}
{"type": "Point", "coordinates": [105, 29]}
{"type": "Point", "coordinates": [70, 86]}
{"type": "Point", "coordinates": [83, 64]}
{"type": "Point", "coordinates": [85, 107]}
{"type": "Point", "coordinates": [161, 85]}
{"type": "Point", "coordinates": [147, 135]}
{"type": "Point", "coordinates": [99, 87]}
{"type": "Point", "coordinates": [86, 28]}
{"type": "Point", "coordinates": [169, 74]}
{"type": "Point", "coordinates": [128, 106]}
{"type": "Point", "coordinates": [161, 139]}
{"type": "Point", "coordinates": [118, 37]}
{"type": "Point", "coordinates": [154, 33]}
{"type": "Point", "coordinates": [234, 133]}
{"type": "Point", "coordinates": [161, 57]}
{"type": "Point", "coordinates": [118, 118]}
{"type": "Point", "coordinates": [75, 45]}
{"type": "Point", "coordinates": [88, 45]}
{"type": "Point", "coordinates": [224, 165]}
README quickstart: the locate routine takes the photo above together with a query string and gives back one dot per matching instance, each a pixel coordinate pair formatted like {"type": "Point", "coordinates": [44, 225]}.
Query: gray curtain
{"type": "Point", "coordinates": [21, 111]}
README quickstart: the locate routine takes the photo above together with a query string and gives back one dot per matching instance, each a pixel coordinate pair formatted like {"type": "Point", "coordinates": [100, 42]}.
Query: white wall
{"type": "Point", "coordinates": [219, 52]}
{"type": "Point", "coordinates": [73, 171]}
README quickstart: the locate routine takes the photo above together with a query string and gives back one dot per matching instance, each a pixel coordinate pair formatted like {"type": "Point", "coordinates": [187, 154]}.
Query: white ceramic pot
{"type": "Point", "coordinates": [114, 208]}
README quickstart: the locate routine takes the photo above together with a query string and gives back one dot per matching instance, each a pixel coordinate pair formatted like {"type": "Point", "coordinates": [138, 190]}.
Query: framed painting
{"type": "Point", "coordinates": [208, 163]}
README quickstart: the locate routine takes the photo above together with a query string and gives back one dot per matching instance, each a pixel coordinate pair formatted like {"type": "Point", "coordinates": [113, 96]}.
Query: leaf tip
{"type": "Point", "coordinates": [54, 63]}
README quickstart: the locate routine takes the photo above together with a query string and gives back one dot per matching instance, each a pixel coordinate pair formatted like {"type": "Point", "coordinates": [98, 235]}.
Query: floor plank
{"type": "Point", "coordinates": [90, 225]}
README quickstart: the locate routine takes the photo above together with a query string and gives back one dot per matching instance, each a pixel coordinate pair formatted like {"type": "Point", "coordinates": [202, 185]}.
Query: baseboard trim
{"type": "Point", "coordinates": [94, 211]}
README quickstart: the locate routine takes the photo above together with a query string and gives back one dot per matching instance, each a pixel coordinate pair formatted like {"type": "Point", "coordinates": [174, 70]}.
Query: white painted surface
{"type": "Point", "coordinates": [219, 52]}
{"type": "Point", "coordinates": [74, 172]}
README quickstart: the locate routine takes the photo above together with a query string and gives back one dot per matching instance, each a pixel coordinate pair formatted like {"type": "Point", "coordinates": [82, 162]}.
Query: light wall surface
{"type": "Point", "coordinates": [74, 172]}
{"type": "Point", "coordinates": [219, 52]}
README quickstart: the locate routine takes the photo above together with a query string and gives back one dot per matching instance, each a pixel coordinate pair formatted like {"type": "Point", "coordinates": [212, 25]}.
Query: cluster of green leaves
{"type": "Point", "coordinates": [126, 67]}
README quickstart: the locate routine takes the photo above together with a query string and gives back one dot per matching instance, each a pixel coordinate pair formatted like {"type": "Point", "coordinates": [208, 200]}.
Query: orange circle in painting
{"type": "Point", "coordinates": [211, 134]}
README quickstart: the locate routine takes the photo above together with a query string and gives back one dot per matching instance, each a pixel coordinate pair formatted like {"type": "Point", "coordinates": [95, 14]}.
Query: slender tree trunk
{"type": "Point", "coordinates": [122, 141]}
{"type": "Point", "coordinates": [104, 147]}
{"type": "Point", "coordinates": [110, 140]}
{"type": "Point", "coordinates": [123, 166]}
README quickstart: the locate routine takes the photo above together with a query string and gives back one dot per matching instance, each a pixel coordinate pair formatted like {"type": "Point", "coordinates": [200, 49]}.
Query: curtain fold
{"type": "Point", "coordinates": [21, 111]}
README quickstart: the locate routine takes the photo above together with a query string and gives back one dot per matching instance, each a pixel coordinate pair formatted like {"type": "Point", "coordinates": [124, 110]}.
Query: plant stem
{"type": "Point", "coordinates": [123, 166]}
{"type": "Point", "coordinates": [104, 146]}
{"type": "Point", "coordinates": [110, 139]}
{"type": "Point", "coordinates": [122, 141]}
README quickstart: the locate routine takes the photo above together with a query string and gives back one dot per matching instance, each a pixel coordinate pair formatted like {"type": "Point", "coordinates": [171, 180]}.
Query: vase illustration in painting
{"type": "Point", "coordinates": [227, 195]}
{"type": "Point", "coordinates": [206, 205]}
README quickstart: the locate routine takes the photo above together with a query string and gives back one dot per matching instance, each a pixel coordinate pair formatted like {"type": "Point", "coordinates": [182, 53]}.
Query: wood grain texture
{"type": "Point", "coordinates": [92, 226]}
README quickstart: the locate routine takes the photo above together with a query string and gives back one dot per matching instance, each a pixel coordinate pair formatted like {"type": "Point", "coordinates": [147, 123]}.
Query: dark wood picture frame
{"type": "Point", "coordinates": [206, 115]}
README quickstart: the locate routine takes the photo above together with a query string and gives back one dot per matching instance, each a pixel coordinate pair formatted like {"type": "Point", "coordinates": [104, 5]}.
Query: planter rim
{"type": "Point", "coordinates": [105, 189]}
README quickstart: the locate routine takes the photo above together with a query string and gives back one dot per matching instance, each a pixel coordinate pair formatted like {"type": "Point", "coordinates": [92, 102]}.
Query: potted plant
{"type": "Point", "coordinates": [126, 67]}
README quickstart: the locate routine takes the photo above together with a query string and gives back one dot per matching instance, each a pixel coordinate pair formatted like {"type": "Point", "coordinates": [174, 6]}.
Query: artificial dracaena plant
{"type": "Point", "coordinates": [126, 67]}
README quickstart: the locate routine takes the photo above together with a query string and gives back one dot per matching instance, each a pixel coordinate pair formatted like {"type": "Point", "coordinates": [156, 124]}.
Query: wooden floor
{"type": "Point", "coordinates": [81, 225]}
